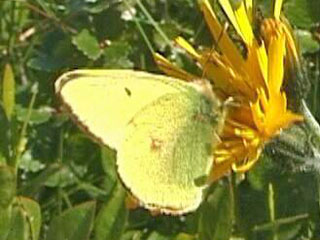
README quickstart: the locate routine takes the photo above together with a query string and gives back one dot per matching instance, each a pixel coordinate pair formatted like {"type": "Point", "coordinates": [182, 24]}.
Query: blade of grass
{"type": "Point", "coordinates": [21, 140]}
{"type": "Point", "coordinates": [279, 222]}
{"type": "Point", "coordinates": [33, 186]}
{"type": "Point", "coordinates": [272, 214]}
{"type": "Point", "coordinates": [12, 32]}
{"type": "Point", "coordinates": [154, 23]}
{"type": "Point", "coordinates": [142, 32]}
{"type": "Point", "coordinates": [235, 200]}
{"type": "Point", "coordinates": [315, 91]}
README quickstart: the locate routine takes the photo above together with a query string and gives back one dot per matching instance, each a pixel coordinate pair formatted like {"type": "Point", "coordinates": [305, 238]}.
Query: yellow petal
{"type": "Point", "coordinates": [185, 45]}
{"type": "Point", "coordinates": [276, 53]}
{"type": "Point", "coordinates": [171, 69]}
{"type": "Point", "coordinates": [239, 20]}
{"type": "Point", "coordinates": [253, 81]}
{"type": "Point", "coordinates": [215, 68]}
{"type": "Point", "coordinates": [241, 168]}
{"type": "Point", "coordinates": [291, 45]}
{"type": "Point", "coordinates": [225, 4]}
{"type": "Point", "coordinates": [249, 7]}
{"type": "Point", "coordinates": [263, 62]}
{"type": "Point", "coordinates": [258, 116]}
{"type": "Point", "coordinates": [225, 44]}
{"type": "Point", "coordinates": [277, 9]}
{"type": "Point", "coordinates": [219, 170]}
{"type": "Point", "coordinates": [244, 24]}
{"type": "Point", "coordinates": [257, 65]}
{"type": "Point", "coordinates": [292, 117]}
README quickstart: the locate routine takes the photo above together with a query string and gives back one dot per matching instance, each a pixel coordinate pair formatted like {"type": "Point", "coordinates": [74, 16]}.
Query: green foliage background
{"type": "Point", "coordinates": [56, 184]}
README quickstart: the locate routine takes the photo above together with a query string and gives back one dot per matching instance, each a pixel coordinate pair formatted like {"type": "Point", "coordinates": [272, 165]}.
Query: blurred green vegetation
{"type": "Point", "coordinates": [56, 184]}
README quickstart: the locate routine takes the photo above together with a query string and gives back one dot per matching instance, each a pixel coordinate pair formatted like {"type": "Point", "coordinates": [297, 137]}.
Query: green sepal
{"type": "Point", "coordinates": [7, 186]}
{"type": "Point", "coordinates": [298, 147]}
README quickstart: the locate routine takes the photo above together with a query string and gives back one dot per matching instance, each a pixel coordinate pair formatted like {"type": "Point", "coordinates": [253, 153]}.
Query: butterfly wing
{"type": "Point", "coordinates": [104, 101]}
{"type": "Point", "coordinates": [167, 149]}
{"type": "Point", "coordinates": [161, 127]}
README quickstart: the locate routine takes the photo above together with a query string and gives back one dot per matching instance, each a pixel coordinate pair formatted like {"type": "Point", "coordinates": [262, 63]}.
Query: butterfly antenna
{"type": "Point", "coordinates": [223, 31]}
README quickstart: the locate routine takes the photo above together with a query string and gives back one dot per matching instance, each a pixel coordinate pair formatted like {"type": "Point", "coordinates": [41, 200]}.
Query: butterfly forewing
{"type": "Point", "coordinates": [104, 101]}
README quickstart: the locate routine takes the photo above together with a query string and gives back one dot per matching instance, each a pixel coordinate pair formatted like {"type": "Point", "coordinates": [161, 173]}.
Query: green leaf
{"type": "Point", "coordinates": [26, 220]}
{"type": "Point", "coordinates": [91, 6]}
{"type": "Point", "coordinates": [108, 157]}
{"type": "Point", "coordinates": [45, 63]}
{"type": "Point", "coordinates": [184, 236]}
{"type": "Point", "coordinates": [19, 228]}
{"type": "Point", "coordinates": [4, 133]}
{"type": "Point", "coordinates": [130, 235]}
{"type": "Point", "coordinates": [7, 186]}
{"type": "Point", "coordinates": [57, 52]}
{"type": "Point", "coordinates": [28, 164]}
{"type": "Point", "coordinates": [298, 147]}
{"type": "Point", "coordinates": [46, 7]}
{"type": "Point", "coordinates": [73, 224]}
{"type": "Point", "coordinates": [306, 41]}
{"type": "Point", "coordinates": [170, 29]}
{"type": "Point", "coordinates": [216, 215]}
{"type": "Point", "coordinates": [33, 185]}
{"type": "Point", "coordinates": [112, 217]}
{"type": "Point", "coordinates": [62, 178]}
{"type": "Point", "coordinates": [117, 55]}
{"type": "Point", "coordinates": [8, 91]}
{"type": "Point", "coordinates": [87, 44]}
{"type": "Point", "coordinates": [158, 236]}
{"type": "Point", "coordinates": [289, 231]}
{"type": "Point", "coordinates": [81, 150]}
{"type": "Point", "coordinates": [108, 160]}
{"type": "Point", "coordinates": [302, 13]}
{"type": "Point", "coordinates": [260, 175]}
{"type": "Point", "coordinates": [5, 221]}
{"type": "Point", "coordinates": [38, 116]}
{"type": "Point", "coordinates": [33, 215]}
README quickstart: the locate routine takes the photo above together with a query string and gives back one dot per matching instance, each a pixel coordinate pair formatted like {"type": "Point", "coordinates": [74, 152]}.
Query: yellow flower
{"type": "Point", "coordinates": [252, 78]}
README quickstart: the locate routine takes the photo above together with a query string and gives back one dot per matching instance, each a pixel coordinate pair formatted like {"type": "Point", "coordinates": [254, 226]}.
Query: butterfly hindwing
{"type": "Point", "coordinates": [167, 147]}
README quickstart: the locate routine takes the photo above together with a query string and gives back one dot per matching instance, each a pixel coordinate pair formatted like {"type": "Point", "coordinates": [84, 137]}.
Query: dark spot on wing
{"type": "Point", "coordinates": [128, 92]}
{"type": "Point", "coordinates": [155, 144]}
